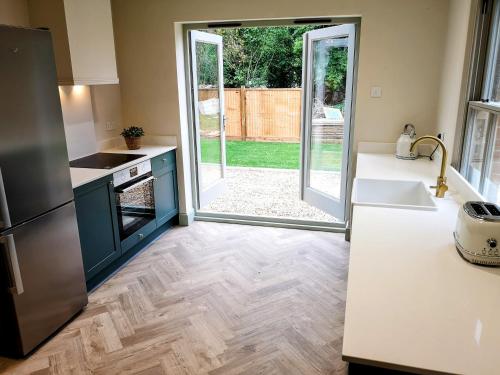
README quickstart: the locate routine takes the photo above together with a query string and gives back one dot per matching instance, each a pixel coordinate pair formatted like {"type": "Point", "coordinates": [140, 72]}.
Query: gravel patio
{"type": "Point", "coordinates": [267, 192]}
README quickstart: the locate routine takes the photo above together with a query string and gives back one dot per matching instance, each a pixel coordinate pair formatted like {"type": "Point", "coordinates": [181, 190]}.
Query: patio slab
{"type": "Point", "coordinates": [267, 192]}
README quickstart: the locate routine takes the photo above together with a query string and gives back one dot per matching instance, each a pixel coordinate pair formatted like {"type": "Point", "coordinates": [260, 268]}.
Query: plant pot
{"type": "Point", "coordinates": [133, 143]}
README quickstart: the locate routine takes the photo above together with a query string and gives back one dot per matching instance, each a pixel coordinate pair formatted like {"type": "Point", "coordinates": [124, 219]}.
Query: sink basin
{"type": "Point", "coordinates": [411, 195]}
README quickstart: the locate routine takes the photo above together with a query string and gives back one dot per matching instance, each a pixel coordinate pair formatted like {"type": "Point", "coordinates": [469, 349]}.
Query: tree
{"type": "Point", "coordinates": [206, 64]}
{"type": "Point", "coordinates": [272, 57]}
{"type": "Point", "coordinates": [262, 57]}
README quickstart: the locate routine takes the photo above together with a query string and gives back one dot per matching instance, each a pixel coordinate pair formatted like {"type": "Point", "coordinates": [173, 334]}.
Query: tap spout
{"type": "Point", "coordinates": [441, 186]}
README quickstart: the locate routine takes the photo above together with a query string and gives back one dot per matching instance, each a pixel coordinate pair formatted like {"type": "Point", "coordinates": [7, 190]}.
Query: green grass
{"type": "Point", "coordinates": [271, 154]}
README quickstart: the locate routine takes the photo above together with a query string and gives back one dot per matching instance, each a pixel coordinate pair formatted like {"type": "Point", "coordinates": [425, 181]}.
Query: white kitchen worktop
{"type": "Point", "coordinates": [412, 302]}
{"type": "Point", "coordinates": [82, 176]}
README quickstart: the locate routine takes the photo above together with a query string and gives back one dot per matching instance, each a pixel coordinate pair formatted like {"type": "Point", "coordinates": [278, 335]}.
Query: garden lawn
{"type": "Point", "coordinates": [270, 154]}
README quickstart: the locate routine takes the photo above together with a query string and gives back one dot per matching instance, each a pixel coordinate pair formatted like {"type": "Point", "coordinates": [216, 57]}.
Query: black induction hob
{"type": "Point", "coordinates": [103, 160]}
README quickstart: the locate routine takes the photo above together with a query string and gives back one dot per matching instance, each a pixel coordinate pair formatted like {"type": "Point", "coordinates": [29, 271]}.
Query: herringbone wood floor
{"type": "Point", "coordinates": [211, 298]}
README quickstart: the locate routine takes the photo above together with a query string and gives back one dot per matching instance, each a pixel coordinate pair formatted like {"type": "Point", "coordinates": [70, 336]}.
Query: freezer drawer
{"type": "Point", "coordinates": [46, 283]}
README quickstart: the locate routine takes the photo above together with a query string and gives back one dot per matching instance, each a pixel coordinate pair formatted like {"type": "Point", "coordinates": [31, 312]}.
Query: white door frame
{"type": "Point", "coordinates": [204, 197]}
{"type": "Point", "coordinates": [331, 205]}
{"type": "Point", "coordinates": [247, 219]}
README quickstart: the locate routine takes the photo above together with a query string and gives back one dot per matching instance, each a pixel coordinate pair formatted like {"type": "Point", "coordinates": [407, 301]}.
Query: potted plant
{"type": "Point", "coordinates": [132, 137]}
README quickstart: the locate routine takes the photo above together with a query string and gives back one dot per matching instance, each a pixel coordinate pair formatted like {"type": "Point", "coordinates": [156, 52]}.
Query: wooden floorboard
{"type": "Point", "coordinates": [212, 299]}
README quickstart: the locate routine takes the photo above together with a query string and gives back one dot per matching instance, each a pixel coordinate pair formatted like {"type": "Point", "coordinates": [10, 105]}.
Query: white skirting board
{"type": "Point", "coordinates": [186, 219]}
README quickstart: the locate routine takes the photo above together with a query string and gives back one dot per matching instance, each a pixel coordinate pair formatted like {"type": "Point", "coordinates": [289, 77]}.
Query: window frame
{"type": "Point", "coordinates": [485, 52]}
{"type": "Point", "coordinates": [492, 52]}
{"type": "Point", "coordinates": [494, 112]}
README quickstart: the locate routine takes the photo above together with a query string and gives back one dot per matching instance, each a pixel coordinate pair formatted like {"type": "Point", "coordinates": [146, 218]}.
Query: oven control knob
{"type": "Point", "coordinates": [492, 242]}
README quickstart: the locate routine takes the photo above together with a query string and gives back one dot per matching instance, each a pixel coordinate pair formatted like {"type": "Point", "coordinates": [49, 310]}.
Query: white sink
{"type": "Point", "coordinates": [412, 195]}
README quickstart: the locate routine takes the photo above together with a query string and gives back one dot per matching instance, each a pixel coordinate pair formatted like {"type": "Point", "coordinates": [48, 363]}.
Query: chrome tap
{"type": "Point", "coordinates": [441, 186]}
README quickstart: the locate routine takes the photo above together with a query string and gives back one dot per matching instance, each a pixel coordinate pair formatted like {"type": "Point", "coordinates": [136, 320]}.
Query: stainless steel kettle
{"type": "Point", "coordinates": [404, 142]}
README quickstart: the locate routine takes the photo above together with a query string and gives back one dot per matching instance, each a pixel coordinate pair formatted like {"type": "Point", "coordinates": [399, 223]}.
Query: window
{"type": "Point", "coordinates": [492, 84]}
{"type": "Point", "coordinates": [480, 163]}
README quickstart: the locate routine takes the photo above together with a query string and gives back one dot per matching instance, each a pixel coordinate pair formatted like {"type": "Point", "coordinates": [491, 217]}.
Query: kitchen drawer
{"type": "Point", "coordinates": [163, 163]}
{"type": "Point", "coordinates": [138, 236]}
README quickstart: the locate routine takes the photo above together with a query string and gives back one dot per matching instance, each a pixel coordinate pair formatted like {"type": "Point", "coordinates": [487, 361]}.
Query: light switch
{"type": "Point", "coordinates": [376, 92]}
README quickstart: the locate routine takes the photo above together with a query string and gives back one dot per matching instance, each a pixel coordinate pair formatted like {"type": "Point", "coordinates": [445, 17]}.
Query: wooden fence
{"type": "Point", "coordinates": [260, 114]}
{"type": "Point", "coordinates": [255, 114]}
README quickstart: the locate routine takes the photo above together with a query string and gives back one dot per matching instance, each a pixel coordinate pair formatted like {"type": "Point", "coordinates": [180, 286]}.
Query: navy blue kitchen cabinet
{"type": "Point", "coordinates": [165, 187]}
{"type": "Point", "coordinates": [102, 249]}
{"type": "Point", "coordinates": [97, 225]}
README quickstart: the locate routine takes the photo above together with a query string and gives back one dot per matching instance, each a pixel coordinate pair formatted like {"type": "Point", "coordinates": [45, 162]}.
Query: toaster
{"type": "Point", "coordinates": [477, 233]}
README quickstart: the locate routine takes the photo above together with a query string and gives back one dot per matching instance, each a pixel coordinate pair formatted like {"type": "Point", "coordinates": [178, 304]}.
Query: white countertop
{"type": "Point", "coordinates": [82, 176]}
{"type": "Point", "coordinates": [412, 301]}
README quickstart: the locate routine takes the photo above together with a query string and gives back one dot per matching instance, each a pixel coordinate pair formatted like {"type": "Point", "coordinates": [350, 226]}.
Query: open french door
{"type": "Point", "coordinates": [208, 114]}
{"type": "Point", "coordinates": [326, 117]}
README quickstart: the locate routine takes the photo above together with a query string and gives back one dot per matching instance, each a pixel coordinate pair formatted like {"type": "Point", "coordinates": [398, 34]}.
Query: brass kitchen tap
{"type": "Point", "coordinates": [441, 186]}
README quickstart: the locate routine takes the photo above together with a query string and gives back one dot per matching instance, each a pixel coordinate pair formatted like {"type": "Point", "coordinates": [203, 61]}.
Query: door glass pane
{"type": "Point", "coordinates": [492, 182]}
{"type": "Point", "coordinates": [328, 74]}
{"type": "Point", "coordinates": [209, 126]}
{"type": "Point", "coordinates": [477, 147]}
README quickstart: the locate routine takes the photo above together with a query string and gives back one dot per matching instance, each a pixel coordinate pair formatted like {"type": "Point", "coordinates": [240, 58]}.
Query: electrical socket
{"type": "Point", "coordinates": [376, 92]}
{"type": "Point", "coordinates": [110, 125]}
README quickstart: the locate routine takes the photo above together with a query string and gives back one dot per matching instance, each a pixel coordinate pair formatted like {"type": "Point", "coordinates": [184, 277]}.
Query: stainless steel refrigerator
{"type": "Point", "coordinates": [41, 273]}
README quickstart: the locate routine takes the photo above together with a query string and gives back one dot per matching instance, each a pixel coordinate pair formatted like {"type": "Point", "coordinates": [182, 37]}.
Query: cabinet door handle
{"type": "Point", "coordinates": [164, 160]}
{"type": "Point", "coordinates": [141, 236]}
{"type": "Point", "coordinates": [4, 208]}
{"type": "Point", "coordinates": [13, 264]}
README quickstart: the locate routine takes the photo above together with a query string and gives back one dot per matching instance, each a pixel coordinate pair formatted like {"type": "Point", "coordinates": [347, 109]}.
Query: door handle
{"type": "Point", "coordinates": [4, 208]}
{"type": "Point", "coordinates": [13, 264]}
{"type": "Point", "coordinates": [139, 183]}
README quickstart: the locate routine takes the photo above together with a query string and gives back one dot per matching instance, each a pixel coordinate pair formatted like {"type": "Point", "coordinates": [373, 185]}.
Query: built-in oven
{"type": "Point", "coordinates": [135, 200]}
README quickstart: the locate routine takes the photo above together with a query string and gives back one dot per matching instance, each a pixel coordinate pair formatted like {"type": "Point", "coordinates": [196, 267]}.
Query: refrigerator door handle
{"type": "Point", "coordinates": [13, 264]}
{"type": "Point", "coordinates": [4, 208]}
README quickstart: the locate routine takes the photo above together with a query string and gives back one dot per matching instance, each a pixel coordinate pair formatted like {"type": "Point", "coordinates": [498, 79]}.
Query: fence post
{"type": "Point", "coordinates": [243, 113]}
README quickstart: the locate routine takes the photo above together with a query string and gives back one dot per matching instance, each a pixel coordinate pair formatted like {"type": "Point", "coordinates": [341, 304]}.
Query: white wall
{"type": "Point", "coordinates": [106, 107]}
{"type": "Point", "coordinates": [86, 110]}
{"type": "Point", "coordinates": [401, 50]}
{"type": "Point", "coordinates": [78, 121]}
{"type": "Point", "coordinates": [460, 24]}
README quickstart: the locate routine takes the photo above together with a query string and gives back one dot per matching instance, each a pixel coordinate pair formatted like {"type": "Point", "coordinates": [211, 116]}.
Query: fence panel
{"type": "Point", "coordinates": [273, 114]}
{"type": "Point", "coordinates": [267, 114]}
{"type": "Point", "coordinates": [233, 113]}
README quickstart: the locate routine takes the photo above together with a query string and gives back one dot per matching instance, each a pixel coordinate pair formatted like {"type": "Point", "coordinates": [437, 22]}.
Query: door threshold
{"type": "Point", "coordinates": [271, 222]}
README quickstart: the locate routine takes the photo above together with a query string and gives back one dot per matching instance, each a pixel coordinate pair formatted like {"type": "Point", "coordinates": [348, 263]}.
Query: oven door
{"type": "Point", "coordinates": [135, 205]}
